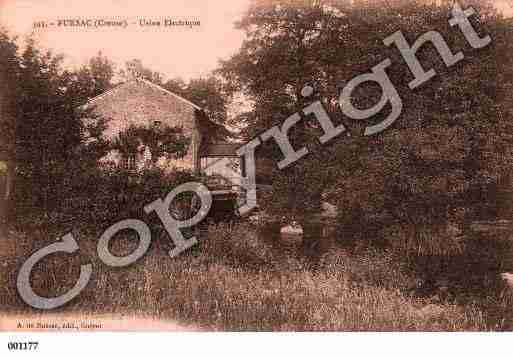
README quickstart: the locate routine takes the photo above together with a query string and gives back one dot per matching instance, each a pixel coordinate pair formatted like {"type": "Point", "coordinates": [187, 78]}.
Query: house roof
{"type": "Point", "coordinates": [215, 131]}
{"type": "Point", "coordinates": [146, 82]}
{"type": "Point", "coordinates": [220, 150]}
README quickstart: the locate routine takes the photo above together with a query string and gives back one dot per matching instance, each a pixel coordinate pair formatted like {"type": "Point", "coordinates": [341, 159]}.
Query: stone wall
{"type": "Point", "coordinates": [139, 102]}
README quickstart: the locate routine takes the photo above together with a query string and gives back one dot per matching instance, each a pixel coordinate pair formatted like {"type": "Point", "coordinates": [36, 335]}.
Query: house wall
{"type": "Point", "coordinates": [140, 103]}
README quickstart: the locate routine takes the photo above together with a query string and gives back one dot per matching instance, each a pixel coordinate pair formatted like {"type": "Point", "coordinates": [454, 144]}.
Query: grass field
{"type": "Point", "coordinates": [236, 280]}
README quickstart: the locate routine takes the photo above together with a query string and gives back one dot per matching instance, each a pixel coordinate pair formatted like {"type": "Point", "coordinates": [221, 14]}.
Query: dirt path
{"type": "Point", "coordinates": [77, 322]}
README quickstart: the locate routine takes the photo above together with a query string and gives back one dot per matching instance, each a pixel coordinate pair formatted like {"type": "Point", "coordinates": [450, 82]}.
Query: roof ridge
{"type": "Point", "coordinates": [171, 93]}
{"type": "Point", "coordinates": [103, 94]}
{"type": "Point", "coordinates": [108, 92]}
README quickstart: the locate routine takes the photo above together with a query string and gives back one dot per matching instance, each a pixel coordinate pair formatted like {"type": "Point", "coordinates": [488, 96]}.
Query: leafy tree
{"type": "Point", "coordinates": [207, 92]}
{"type": "Point", "coordinates": [177, 86]}
{"type": "Point", "coordinates": [439, 161]}
{"type": "Point", "coordinates": [90, 80]}
{"type": "Point", "coordinates": [47, 130]}
{"type": "Point", "coordinates": [9, 67]}
{"type": "Point", "coordinates": [52, 149]}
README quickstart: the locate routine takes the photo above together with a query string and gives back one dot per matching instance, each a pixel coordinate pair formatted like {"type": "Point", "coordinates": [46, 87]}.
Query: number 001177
{"type": "Point", "coordinates": [22, 345]}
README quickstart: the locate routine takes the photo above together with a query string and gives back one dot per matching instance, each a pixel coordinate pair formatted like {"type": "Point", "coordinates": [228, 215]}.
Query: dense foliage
{"type": "Point", "coordinates": [443, 161]}
{"type": "Point", "coordinates": [57, 147]}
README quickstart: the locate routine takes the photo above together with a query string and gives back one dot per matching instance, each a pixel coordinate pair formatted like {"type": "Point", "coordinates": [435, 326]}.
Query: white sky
{"type": "Point", "coordinates": [175, 52]}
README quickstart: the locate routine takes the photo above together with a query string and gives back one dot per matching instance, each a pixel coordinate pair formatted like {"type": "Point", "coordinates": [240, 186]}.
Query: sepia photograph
{"type": "Point", "coordinates": [256, 166]}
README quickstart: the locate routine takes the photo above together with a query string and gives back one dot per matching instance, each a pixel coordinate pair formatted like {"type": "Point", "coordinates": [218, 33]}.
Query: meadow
{"type": "Point", "coordinates": [236, 279]}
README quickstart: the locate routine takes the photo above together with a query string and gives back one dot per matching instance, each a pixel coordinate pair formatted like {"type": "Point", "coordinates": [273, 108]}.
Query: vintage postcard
{"type": "Point", "coordinates": [256, 165]}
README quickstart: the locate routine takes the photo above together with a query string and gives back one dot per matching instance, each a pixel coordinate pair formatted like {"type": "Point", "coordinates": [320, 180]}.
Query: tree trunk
{"type": "Point", "coordinates": [6, 213]}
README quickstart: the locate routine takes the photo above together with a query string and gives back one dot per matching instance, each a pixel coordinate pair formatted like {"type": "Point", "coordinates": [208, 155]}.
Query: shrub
{"type": "Point", "coordinates": [102, 196]}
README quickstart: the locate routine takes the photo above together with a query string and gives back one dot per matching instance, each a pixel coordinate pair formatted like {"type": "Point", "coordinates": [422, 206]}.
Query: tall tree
{"type": "Point", "coordinates": [9, 68]}
{"type": "Point", "coordinates": [51, 143]}
{"type": "Point", "coordinates": [433, 166]}
{"type": "Point", "coordinates": [207, 92]}
{"type": "Point", "coordinates": [90, 80]}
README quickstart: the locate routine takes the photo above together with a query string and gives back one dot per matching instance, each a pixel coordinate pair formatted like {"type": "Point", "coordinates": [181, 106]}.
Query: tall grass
{"type": "Point", "coordinates": [236, 280]}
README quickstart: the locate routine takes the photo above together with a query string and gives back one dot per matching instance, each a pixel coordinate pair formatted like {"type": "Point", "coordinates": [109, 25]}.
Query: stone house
{"type": "Point", "coordinates": [140, 102]}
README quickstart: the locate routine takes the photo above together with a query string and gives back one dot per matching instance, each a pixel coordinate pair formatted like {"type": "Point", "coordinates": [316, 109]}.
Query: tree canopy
{"type": "Point", "coordinates": [441, 160]}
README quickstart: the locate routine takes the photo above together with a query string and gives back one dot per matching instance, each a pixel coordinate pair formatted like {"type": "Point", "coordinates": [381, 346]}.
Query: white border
{"type": "Point", "coordinates": [261, 345]}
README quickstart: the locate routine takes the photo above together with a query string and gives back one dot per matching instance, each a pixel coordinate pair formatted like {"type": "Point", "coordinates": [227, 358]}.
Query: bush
{"type": "Point", "coordinates": [102, 196]}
